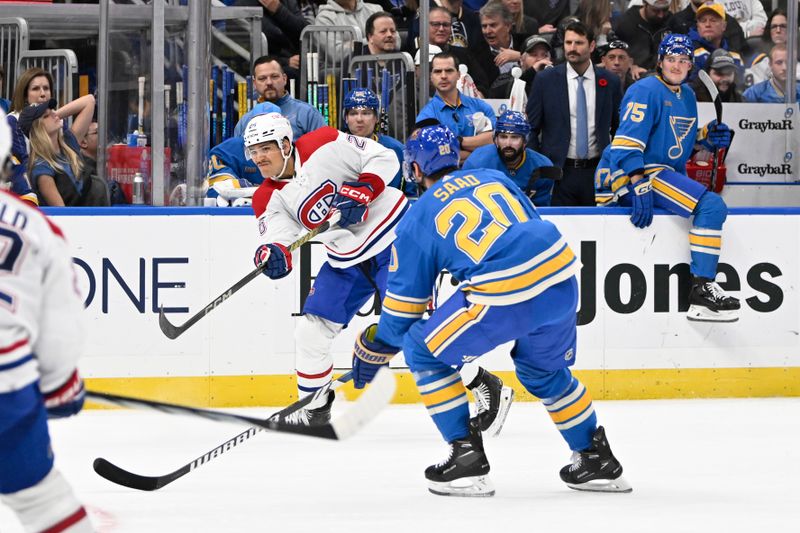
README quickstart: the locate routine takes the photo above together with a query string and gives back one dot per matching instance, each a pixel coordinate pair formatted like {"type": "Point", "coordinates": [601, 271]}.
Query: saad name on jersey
{"type": "Point", "coordinates": [452, 184]}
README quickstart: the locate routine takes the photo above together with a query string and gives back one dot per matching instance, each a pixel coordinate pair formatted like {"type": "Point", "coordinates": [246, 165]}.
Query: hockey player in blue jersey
{"type": "Point", "coordinates": [471, 223]}
{"type": "Point", "coordinates": [229, 169]}
{"type": "Point", "coordinates": [510, 155]}
{"type": "Point", "coordinates": [361, 108]}
{"type": "Point", "coordinates": [645, 167]}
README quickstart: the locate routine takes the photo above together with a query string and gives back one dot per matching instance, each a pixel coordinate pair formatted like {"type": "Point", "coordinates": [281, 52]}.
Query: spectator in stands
{"type": "Point", "coordinates": [614, 57]}
{"type": "Point", "coordinates": [642, 28]}
{"type": "Point", "coordinates": [88, 146]}
{"type": "Point", "coordinates": [686, 19]}
{"type": "Point", "coordinates": [381, 33]}
{"type": "Point", "coordinates": [5, 103]}
{"type": "Point", "coordinates": [500, 50]}
{"type": "Point", "coordinates": [596, 14]}
{"type": "Point", "coordinates": [523, 24]}
{"type": "Point", "coordinates": [465, 26]}
{"type": "Point", "coordinates": [471, 119]}
{"type": "Point", "coordinates": [439, 33]}
{"type": "Point", "coordinates": [722, 70]}
{"type": "Point", "coordinates": [535, 58]}
{"type": "Point", "coordinates": [549, 13]}
{"type": "Point", "coordinates": [771, 91]}
{"type": "Point", "coordinates": [749, 13]}
{"type": "Point", "coordinates": [342, 13]}
{"type": "Point", "coordinates": [269, 81]}
{"type": "Point", "coordinates": [282, 23]}
{"type": "Point", "coordinates": [574, 107]}
{"type": "Point", "coordinates": [710, 35]}
{"type": "Point", "coordinates": [778, 31]}
{"type": "Point", "coordinates": [55, 167]}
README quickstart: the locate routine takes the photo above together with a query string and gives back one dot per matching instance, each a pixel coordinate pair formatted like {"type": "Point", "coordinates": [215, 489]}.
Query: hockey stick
{"type": "Point", "coordinates": [368, 405]}
{"type": "Point", "coordinates": [173, 332]}
{"type": "Point", "coordinates": [714, 92]}
{"type": "Point", "coordinates": [120, 476]}
{"type": "Point", "coordinates": [553, 173]}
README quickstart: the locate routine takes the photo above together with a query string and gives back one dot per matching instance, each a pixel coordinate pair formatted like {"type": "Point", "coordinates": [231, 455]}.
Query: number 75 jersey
{"type": "Point", "coordinates": [480, 227]}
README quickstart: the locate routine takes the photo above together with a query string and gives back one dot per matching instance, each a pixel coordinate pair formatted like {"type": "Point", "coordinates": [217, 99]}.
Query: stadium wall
{"type": "Point", "coordinates": [634, 341]}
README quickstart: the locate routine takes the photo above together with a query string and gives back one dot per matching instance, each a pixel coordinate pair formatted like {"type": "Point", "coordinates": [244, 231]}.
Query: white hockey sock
{"type": "Point", "coordinates": [49, 505]}
{"type": "Point", "coordinates": [314, 364]}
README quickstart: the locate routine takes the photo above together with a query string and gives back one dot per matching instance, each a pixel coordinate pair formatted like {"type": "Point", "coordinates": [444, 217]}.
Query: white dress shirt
{"type": "Point", "coordinates": [589, 90]}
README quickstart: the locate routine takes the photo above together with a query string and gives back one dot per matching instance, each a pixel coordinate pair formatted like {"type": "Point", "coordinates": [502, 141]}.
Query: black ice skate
{"type": "Point", "coordinates": [464, 473]}
{"type": "Point", "coordinates": [709, 303]}
{"type": "Point", "coordinates": [595, 469]}
{"type": "Point", "coordinates": [312, 417]}
{"type": "Point", "coordinates": [492, 402]}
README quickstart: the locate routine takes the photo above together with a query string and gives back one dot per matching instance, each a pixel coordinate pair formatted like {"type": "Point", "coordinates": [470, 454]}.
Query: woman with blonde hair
{"type": "Point", "coordinates": [55, 167]}
{"type": "Point", "coordinates": [596, 15]}
{"type": "Point", "coordinates": [523, 24]}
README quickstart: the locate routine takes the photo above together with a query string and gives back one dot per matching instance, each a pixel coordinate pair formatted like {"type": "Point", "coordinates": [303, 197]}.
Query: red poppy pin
{"type": "Point", "coordinates": [602, 82]}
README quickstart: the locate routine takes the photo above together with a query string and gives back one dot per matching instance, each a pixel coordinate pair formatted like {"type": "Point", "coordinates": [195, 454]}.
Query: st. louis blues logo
{"type": "Point", "coordinates": [314, 209]}
{"type": "Point", "coordinates": [681, 126]}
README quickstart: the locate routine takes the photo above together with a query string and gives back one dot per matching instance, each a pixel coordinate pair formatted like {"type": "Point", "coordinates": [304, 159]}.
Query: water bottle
{"type": "Point", "coordinates": [143, 174]}
{"type": "Point", "coordinates": [138, 189]}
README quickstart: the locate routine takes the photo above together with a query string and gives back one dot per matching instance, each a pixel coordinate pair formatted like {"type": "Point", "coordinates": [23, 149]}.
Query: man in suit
{"type": "Point", "coordinates": [574, 108]}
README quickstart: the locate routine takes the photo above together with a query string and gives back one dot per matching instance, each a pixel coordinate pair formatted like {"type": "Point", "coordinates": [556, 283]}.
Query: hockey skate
{"type": "Point", "coordinates": [709, 303]}
{"type": "Point", "coordinates": [312, 417]}
{"type": "Point", "coordinates": [595, 469]}
{"type": "Point", "coordinates": [464, 472]}
{"type": "Point", "coordinates": [492, 402]}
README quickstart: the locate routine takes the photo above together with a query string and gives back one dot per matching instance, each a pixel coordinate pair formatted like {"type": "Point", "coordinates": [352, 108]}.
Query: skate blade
{"type": "Point", "coordinates": [465, 487]}
{"type": "Point", "coordinates": [506, 398]}
{"type": "Point", "coordinates": [698, 313]}
{"type": "Point", "coordinates": [603, 485]}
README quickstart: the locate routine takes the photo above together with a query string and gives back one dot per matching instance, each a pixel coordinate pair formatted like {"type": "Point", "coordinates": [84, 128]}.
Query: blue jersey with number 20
{"type": "Point", "coordinates": [478, 225]}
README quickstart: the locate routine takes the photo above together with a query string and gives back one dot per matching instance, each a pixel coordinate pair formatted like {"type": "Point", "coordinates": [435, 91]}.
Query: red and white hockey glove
{"type": "Point", "coordinates": [277, 257]}
{"type": "Point", "coordinates": [352, 200]}
{"type": "Point", "coordinates": [66, 400]}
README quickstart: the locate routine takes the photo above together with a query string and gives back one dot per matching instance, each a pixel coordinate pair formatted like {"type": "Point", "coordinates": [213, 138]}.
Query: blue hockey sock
{"type": "Point", "coordinates": [705, 237]}
{"type": "Point", "coordinates": [445, 397]}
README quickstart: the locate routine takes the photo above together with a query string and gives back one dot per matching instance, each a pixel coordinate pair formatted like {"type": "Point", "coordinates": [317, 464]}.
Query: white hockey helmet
{"type": "Point", "coordinates": [266, 128]}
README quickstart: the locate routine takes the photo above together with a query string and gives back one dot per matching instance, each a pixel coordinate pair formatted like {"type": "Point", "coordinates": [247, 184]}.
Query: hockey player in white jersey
{"type": "Point", "coordinates": [41, 337]}
{"type": "Point", "coordinates": [328, 170]}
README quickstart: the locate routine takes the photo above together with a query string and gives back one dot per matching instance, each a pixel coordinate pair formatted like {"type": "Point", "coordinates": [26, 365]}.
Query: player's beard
{"type": "Point", "coordinates": [510, 154]}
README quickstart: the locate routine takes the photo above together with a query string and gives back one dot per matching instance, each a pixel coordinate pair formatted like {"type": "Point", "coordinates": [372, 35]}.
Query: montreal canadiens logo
{"type": "Point", "coordinates": [314, 209]}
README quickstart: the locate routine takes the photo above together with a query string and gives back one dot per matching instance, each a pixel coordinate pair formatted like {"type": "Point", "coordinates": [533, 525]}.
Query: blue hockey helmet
{"type": "Point", "coordinates": [361, 98]}
{"type": "Point", "coordinates": [433, 148]}
{"type": "Point", "coordinates": [675, 44]}
{"type": "Point", "coordinates": [513, 122]}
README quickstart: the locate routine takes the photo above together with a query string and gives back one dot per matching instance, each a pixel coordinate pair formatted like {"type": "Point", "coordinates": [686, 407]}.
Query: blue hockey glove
{"type": "Point", "coordinates": [642, 198]}
{"type": "Point", "coordinates": [352, 200]}
{"type": "Point", "coordinates": [715, 136]}
{"type": "Point", "coordinates": [278, 258]}
{"type": "Point", "coordinates": [66, 400]}
{"type": "Point", "coordinates": [369, 355]}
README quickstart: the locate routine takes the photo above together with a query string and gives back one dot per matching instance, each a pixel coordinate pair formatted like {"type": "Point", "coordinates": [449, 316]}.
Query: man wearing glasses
{"type": "Point", "coordinates": [471, 119]}
{"type": "Point", "coordinates": [683, 21]}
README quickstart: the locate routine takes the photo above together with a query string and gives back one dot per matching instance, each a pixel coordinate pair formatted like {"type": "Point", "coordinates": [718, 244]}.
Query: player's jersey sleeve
{"type": "Point", "coordinates": [412, 274]}
{"type": "Point", "coordinates": [478, 159]}
{"type": "Point", "coordinates": [278, 223]}
{"type": "Point", "coordinates": [638, 112]}
{"type": "Point", "coordinates": [378, 164]}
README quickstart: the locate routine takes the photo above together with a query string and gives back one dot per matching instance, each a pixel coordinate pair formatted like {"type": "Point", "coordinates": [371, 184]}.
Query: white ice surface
{"type": "Point", "coordinates": [695, 466]}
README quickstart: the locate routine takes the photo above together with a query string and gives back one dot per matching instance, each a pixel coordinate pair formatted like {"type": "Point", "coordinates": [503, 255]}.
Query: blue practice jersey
{"type": "Point", "coordinates": [489, 157]}
{"type": "Point", "coordinates": [227, 161]}
{"type": "Point", "coordinates": [479, 226]}
{"type": "Point", "coordinates": [657, 130]}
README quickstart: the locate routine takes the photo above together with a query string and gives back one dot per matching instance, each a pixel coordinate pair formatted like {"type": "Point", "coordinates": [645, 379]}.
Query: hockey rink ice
{"type": "Point", "coordinates": [695, 465]}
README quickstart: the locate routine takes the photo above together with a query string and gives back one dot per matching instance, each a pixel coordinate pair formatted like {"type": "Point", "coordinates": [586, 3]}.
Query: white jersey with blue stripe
{"type": "Point", "coordinates": [479, 226]}
{"type": "Point", "coordinates": [42, 324]}
{"type": "Point", "coordinates": [324, 160]}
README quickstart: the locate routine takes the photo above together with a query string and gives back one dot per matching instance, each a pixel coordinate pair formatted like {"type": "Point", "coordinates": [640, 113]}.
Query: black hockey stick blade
{"type": "Point", "coordinates": [173, 332]}
{"type": "Point", "coordinates": [713, 91]}
{"type": "Point", "coordinates": [120, 476]}
{"type": "Point", "coordinates": [368, 405]}
{"type": "Point", "coordinates": [553, 173]}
